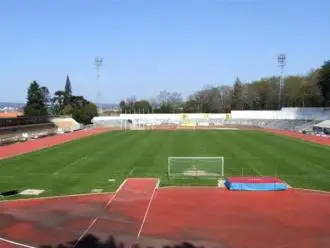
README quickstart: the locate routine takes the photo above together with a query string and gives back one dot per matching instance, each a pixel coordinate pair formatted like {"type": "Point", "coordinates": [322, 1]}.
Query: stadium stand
{"type": "Point", "coordinates": [296, 119]}
{"type": "Point", "coordinates": [307, 126]}
{"type": "Point", "coordinates": [111, 121]}
{"type": "Point", "coordinates": [22, 128]}
{"type": "Point", "coordinates": [322, 127]}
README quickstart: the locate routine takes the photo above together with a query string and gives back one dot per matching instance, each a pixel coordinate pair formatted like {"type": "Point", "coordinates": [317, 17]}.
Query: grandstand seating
{"type": "Point", "coordinates": [287, 118]}
{"type": "Point", "coordinates": [322, 127]}
{"type": "Point", "coordinates": [111, 121]}
{"type": "Point", "coordinates": [23, 128]}
{"type": "Point", "coordinates": [23, 121]}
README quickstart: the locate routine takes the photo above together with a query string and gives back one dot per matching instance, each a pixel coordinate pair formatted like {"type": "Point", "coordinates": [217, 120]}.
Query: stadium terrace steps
{"type": "Point", "coordinates": [126, 211]}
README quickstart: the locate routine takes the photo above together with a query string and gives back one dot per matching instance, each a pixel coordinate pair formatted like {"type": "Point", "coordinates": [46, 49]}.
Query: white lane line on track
{"type": "Point", "coordinates": [16, 243]}
{"type": "Point", "coordinates": [95, 220]}
{"type": "Point", "coordinates": [147, 210]}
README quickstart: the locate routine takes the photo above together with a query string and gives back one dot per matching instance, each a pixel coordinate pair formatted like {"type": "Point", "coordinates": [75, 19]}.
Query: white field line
{"type": "Point", "coordinates": [16, 243]}
{"type": "Point", "coordinates": [187, 186]}
{"type": "Point", "coordinates": [323, 192]}
{"type": "Point", "coordinates": [69, 165]}
{"type": "Point", "coordinates": [255, 170]}
{"type": "Point", "coordinates": [8, 177]}
{"type": "Point", "coordinates": [131, 171]}
{"type": "Point", "coordinates": [96, 218]}
{"type": "Point", "coordinates": [147, 210]}
{"type": "Point", "coordinates": [56, 197]}
{"type": "Point", "coordinates": [141, 178]}
{"type": "Point", "coordinates": [68, 196]}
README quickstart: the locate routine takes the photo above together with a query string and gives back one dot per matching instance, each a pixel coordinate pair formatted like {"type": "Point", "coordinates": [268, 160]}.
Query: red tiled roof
{"type": "Point", "coordinates": [10, 114]}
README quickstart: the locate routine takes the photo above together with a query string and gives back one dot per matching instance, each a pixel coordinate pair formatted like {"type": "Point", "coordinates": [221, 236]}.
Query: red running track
{"type": "Point", "coordinates": [54, 221]}
{"type": "Point", "coordinates": [38, 144]}
{"type": "Point", "coordinates": [125, 212]}
{"type": "Point", "coordinates": [211, 217]}
{"type": "Point", "coordinates": [219, 218]}
{"type": "Point", "coordinates": [310, 138]}
{"type": "Point", "coordinates": [48, 221]}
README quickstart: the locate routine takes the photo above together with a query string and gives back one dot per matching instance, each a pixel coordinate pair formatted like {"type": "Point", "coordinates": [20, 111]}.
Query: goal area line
{"type": "Point", "coordinates": [190, 167]}
{"type": "Point", "coordinates": [216, 157]}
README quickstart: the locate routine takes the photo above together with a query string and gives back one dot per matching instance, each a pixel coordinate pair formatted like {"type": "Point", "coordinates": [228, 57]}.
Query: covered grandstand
{"type": "Point", "coordinates": [18, 129]}
{"type": "Point", "coordinates": [23, 128]}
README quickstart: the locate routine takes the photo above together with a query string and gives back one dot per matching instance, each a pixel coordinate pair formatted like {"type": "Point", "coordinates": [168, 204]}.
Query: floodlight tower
{"type": "Point", "coordinates": [281, 61]}
{"type": "Point", "coordinates": [98, 62]}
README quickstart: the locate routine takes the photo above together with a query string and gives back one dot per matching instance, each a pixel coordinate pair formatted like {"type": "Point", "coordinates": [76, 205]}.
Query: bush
{"type": "Point", "coordinates": [85, 114]}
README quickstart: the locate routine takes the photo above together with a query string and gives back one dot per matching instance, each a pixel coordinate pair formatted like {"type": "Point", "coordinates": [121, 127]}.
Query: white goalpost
{"type": "Point", "coordinates": [206, 167]}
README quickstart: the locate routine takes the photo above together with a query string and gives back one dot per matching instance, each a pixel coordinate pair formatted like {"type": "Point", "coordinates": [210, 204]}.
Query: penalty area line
{"type": "Point", "coordinates": [16, 243]}
{"type": "Point", "coordinates": [131, 171]}
{"type": "Point", "coordinates": [69, 165]}
{"type": "Point", "coordinates": [322, 192]}
{"type": "Point", "coordinates": [189, 187]}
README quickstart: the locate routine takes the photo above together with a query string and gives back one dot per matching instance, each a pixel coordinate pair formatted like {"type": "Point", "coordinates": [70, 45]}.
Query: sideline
{"type": "Point", "coordinates": [56, 197]}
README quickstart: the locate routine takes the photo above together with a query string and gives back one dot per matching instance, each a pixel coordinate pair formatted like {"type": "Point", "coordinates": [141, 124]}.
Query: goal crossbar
{"type": "Point", "coordinates": [206, 167]}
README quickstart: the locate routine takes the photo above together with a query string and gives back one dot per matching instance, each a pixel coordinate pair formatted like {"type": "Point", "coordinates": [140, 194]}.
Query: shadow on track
{"type": "Point", "coordinates": [90, 241]}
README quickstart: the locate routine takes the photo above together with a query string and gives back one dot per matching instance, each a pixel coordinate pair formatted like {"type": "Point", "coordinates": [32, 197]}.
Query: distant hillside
{"type": "Point", "coordinates": [11, 104]}
{"type": "Point", "coordinates": [108, 105]}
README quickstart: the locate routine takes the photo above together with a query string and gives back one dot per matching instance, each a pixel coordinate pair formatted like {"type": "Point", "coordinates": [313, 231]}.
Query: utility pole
{"type": "Point", "coordinates": [281, 61]}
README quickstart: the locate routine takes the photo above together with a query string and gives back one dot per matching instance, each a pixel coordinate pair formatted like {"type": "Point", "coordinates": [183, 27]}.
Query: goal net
{"type": "Point", "coordinates": [207, 167]}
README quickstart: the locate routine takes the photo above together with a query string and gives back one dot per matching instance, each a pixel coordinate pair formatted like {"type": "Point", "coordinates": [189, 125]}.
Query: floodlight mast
{"type": "Point", "coordinates": [98, 62]}
{"type": "Point", "coordinates": [281, 61]}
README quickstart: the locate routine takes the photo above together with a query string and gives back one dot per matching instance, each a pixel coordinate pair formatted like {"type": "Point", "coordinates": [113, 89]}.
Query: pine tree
{"type": "Point", "coordinates": [67, 91]}
{"type": "Point", "coordinates": [35, 105]}
{"type": "Point", "coordinates": [237, 95]}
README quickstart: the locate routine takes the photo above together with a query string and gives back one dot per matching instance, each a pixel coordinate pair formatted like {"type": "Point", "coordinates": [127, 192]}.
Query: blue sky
{"type": "Point", "coordinates": [149, 46]}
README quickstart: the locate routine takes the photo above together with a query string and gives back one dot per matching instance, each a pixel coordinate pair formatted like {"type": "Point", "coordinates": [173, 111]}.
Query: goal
{"type": "Point", "coordinates": [206, 167]}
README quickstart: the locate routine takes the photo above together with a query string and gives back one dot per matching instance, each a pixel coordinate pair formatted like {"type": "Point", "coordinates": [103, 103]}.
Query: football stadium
{"type": "Point", "coordinates": [165, 124]}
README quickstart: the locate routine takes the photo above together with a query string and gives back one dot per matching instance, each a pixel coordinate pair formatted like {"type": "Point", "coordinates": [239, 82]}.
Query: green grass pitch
{"type": "Point", "coordinates": [86, 164]}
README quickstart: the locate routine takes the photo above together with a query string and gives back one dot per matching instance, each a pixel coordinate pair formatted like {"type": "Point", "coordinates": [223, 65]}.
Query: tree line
{"type": "Point", "coordinates": [311, 90]}
{"type": "Point", "coordinates": [41, 103]}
